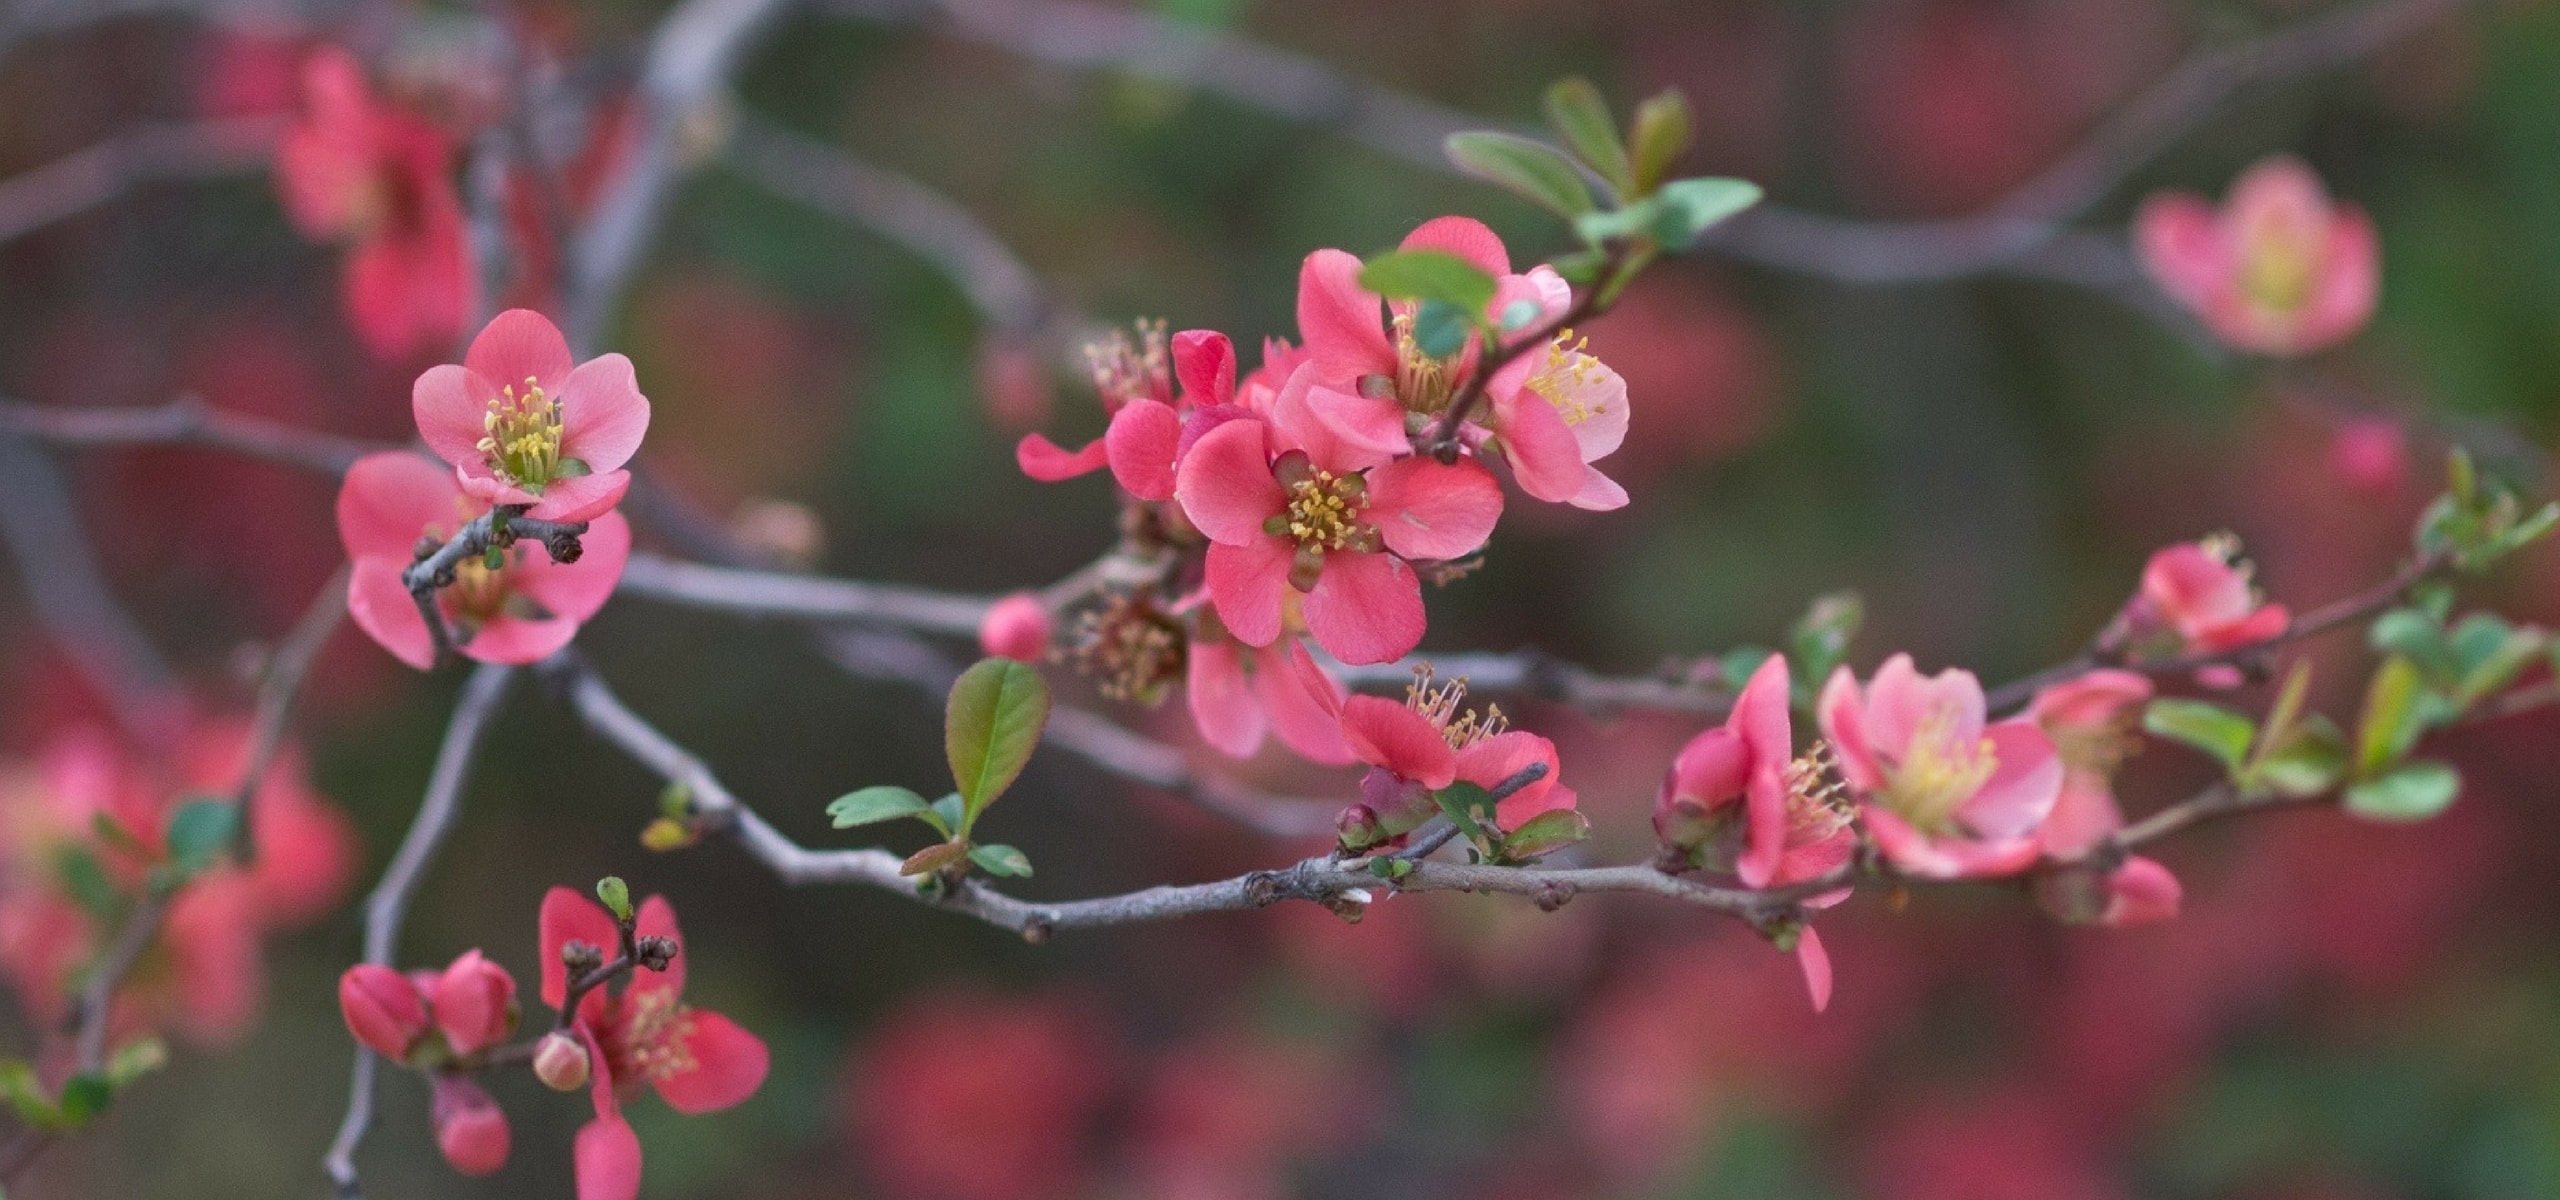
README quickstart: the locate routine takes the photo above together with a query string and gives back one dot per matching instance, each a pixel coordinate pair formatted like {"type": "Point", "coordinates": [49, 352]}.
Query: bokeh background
{"type": "Point", "coordinates": [2345, 1012]}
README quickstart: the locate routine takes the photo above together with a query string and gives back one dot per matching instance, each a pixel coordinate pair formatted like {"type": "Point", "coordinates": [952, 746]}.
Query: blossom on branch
{"type": "Point", "coordinates": [2196, 598]}
{"type": "Point", "coordinates": [1944, 794]}
{"type": "Point", "coordinates": [525, 424]}
{"type": "Point", "coordinates": [1237, 693]}
{"type": "Point", "coordinates": [2095, 722]}
{"type": "Point", "coordinates": [2278, 269]}
{"type": "Point", "coordinates": [519, 611]}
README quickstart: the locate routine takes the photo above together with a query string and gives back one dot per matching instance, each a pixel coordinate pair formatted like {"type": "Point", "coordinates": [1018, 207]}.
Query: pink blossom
{"type": "Point", "coordinates": [524, 424]}
{"type": "Point", "coordinates": [2278, 269]}
{"type": "Point", "coordinates": [521, 612]}
{"type": "Point", "coordinates": [2092, 720]}
{"type": "Point", "coordinates": [1016, 627]}
{"type": "Point", "coordinates": [1944, 794]}
{"type": "Point", "coordinates": [1431, 740]}
{"type": "Point", "coordinates": [2370, 454]}
{"type": "Point", "coordinates": [475, 1004]}
{"type": "Point", "coordinates": [1150, 428]}
{"type": "Point", "coordinates": [380, 179]}
{"type": "Point", "coordinates": [2198, 596]}
{"type": "Point", "coordinates": [1791, 830]}
{"type": "Point", "coordinates": [1298, 510]}
{"type": "Point", "coordinates": [470, 1129]}
{"type": "Point", "coordinates": [383, 1009]}
{"type": "Point", "coordinates": [1027, 1078]}
{"type": "Point", "coordinates": [698, 1060]}
{"type": "Point", "coordinates": [471, 1004]}
{"type": "Point", "coordinates": [1237, 693]}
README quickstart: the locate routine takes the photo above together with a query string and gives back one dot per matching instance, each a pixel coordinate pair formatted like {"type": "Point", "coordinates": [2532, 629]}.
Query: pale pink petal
{"type": "Point", "coordinates": [1384, 733]}
{"type": "Point", "coordinates": [390, 498]}
{"type": "Point", "coordinates": [1429, 510]}
{"type": "Point", "coordinates": [1141, 445]}
{"type": "Point", "coordinates": [1247, 583]}
{"type": "Point", "coordinates": [1598, 493]}
{"type": "Point", "coordinates": [1366, 608]}
{"type": "Point", "coordinates": [518, 345]}
{"type": "Point", "coordinates": [451, 406]}
{"type": "Point", "coordinates": [1314, 681]}
{"type": "Point", "coordinates": [1205, 361]}
{"type": "Point", "coordinates": [517, 641]}
{"type": "Point", "coordinates": [1709, 770]}
{"type": "Point", "coordinates": [575, 590]}
{"type": "Point", "coordinates": [1465, 237]}
{"type": "Point", "coordinates": [1340, 322]}
{"type": "Point", "coordinates": [1043, 460]}
{"type": "Point", "coordinates": [1226, 487]}
{"type": "Point", "coordinates": [1222, 702]}
{"type": "Point", "coordinates": [2022, 789]}
{"type": "Point", "coordinates": [1307, 723]}
{"type": "Point", "coordinates": [2349, 285]}
{"type": "Point", "coordinates": [725, 1064]}
{"type": "Point", "coordinates": [1602, 405]}
{"type": "Point", "coordinates": [1842, 714]}
{"type": "Point", "coordinates": [1540, 447]}
{"type": "Point", "coordinates": [1816, 963]}
{"type": "Point", "coordinates": [608, 1160]}
{"type": "Point", "coordinates": [2179, 240]}
{"type": "Point", "coordinates": [2083, 812]}
{"type": "Point", "coordinates": [580, 497]}
{"type": "Point", "coordinates": [383, 607]}
{"type": "Point", "coordinates": [490, 490]}
{"type": "Point", "coordinates": [603, 416]}
{"type": "Point", "coordinates": [1342, 432]}
{"type": "Point", "coordinates": [1909, 850]}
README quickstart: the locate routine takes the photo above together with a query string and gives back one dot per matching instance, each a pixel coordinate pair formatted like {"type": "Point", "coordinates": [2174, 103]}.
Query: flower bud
{"type": "Point", "coordinates": [382, 1009]}
{"type": "Point", "coordinates": [580, 957]}
{"type": "Point", "coordinates": [656, 952]}
{"type": "Point", "coordinates": [470, 1128]}
{"type": "Point", "coordinates": [475, 1004]}
{"type": "Point", "coordinates": [1016, 627]}
{"type": "Point", "coordinates": [1358, 827]}
{"type": "Point", "coordinates": [560, 1062]}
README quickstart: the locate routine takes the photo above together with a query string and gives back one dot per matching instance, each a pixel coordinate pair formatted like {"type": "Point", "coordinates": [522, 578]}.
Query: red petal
{"type": "Point", "coordinates": [608, 1157]}
{"type": "Point", "coordinates": [1386, 734]}
{"type": "Point", "coordinates": [726, 1064]}
{"type": "Point", "coordinates": [1248, 581]}
{"type": "Point", "coordinates": [1043, 460]}
{"type": "Point", "coordinates": [1222, 702]}
{"type": "Point", "coordinates": [1226, 487]}
{"type": "Point", "coordinates": [566, 917]}
{"type": "Point", "coordinates": [1425, 509]}
{"type": "Point", "coordinates": [1205, 361]}
{"type": "Point", "coordinates": [1366, 608]}
{"type": "Point", "coordinates": [1340, 321]}
{"type": "Point", "coordinates": [1141, 445]}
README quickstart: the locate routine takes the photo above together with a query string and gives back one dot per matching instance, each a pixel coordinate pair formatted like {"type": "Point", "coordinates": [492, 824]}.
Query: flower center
{"type": "Point", "coordinates": [1423, 383]}
{"type": "Point", "coordinates": [1565, 376]}
{"type": "Point", "coordinates": [1817, 803]}
{"type": "Point", "coordinates": [522, 435]}
{"type": "Point", "coordinates": [1440, 702]}
{"type": "Point", "coordinates": [1126, 368]}
{"type": "Point", "coordinates": [478, 593]}
{"type": "Point", "coordinates": [2280, 267]}
{"type": "Point", "coordinates": [1130, 648]}
{"type": "Point", "coordinates": [1939, 772]}
{"type": "Point", "coordinates": [656, 1038]}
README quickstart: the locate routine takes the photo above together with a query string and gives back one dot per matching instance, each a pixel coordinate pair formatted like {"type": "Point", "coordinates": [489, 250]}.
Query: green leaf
{"type": "Point", "coordinates": [872, 805]}
{"type": "Point", "coordinates": [2218, 732]}
{"type": "Point", "coordinates": [84, 1096]}
{"type": "Point", "coordinates": [946, 814]}
{"type": "Point", "coordinates": [1391, 867]}
{"type": "Point", "coordinates": [1661, 136]}
{"type": "Point", "coordinates": [2310, 759]}
{"type": "Point", "coordinates": [675, 801]}
{"type": "Point", "coordinates": [993, 723]}
{"type": "Point", "coordinates": [199, 832]}
{"type": "Point", "coordinates": [1640, 219]}
{"type": "Point", "coordinates": [85, 879]}
{"type": "Point", "coordinates": [2462, 479]}
{"type": "Point", "coordinates": [2413, 791]}
{"type": "Point", "coordinates": [135, 1059]}
{"type": "Point", "coordinates": [1002, 860]}
{"type": "Point", "coordinates": [2390, 723]}
{"type": "Point", "coordinates": [1470, 808]}
{"type": "Point", "coordinates": [1532, 170]}
{"type": "Point", "coordinates": [616, 896]}
{"type": "Point", "coordinates": [26, 1096]}
{"type": "Point", "coordinates": [1822, 635]}
{"type": "Point", "coordinates": [2417, 636]}
{"type": "Point", "coordinates": [1577, 110]}
{"type": "Point", "coordinates": [1440, 328]}
{"type": "Point", "coordinates": [1544, 832]}
{"type": "Point", "coordinates": [2492, 653]}
{"type": "Point", "coordinates": [1429, 275]}
{"type": "Point", "coordinates": [1692, 206]}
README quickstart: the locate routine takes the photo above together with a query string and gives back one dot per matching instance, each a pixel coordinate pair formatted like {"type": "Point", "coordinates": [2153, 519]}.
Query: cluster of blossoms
{"type": "Point", "coordinates": [528, 434]}
{"type": "Point", "coordinates": [455, 1023]}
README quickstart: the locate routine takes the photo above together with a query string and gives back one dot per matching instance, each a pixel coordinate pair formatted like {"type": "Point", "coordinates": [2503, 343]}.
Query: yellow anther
{"type": "Point", "coordinates": [1564, 376]}
{"type": "Point", "coordinates": [524, 430]}
{"type": "Point", "coordinates": [1939, 772]}
{"type": "Point", "coordinates": [1442, 702]}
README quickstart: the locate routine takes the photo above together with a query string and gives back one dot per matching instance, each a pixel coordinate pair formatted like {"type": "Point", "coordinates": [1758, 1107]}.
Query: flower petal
{"type": "Point", "coordinates": [1465, 237]}
{"type": "Point", "coordinates": [451, 407]}
{"type": "Point", "coordinates": [521, 344]}
{"type": "Point", "coordinates": [1340, 321]}
{"type": "Point", "coordinates": [724, 1064]}
{"type": "Point", "coordinates": [1043, 460]}
{"type": "Point", "coordinates": [389, 498]}
{"type": "Point", "coordinates": [657, 918]}
{"type": "Point", "coordinates": [1141, 445]}
{"type": "Point", "coordinates": [1540, 447]}
{"type": "Point", "coordinates": [1226, 487]}
{"type": "Point", "coordinates": [383, 607]}
{"type": "Point", "coordinates": [608, 1158]}
{"type": "Point", "coordinates": [1205, 361]}
{"type": "Point", "coordinates": [519, 640]}
{"type": "Point", "coordinates": [1222, 701]}
{"type": "Point", "coordinates": [603, 416]}
{"type": "Point", "coordinates": [566, 917]}
{"type": "Point", "coordinates": [1306, 722]}
{"type": "Point", "coordinates": [580, 497]}
{"type": "Point", "coordinates": [1366, 608]}
{"type": "Point", "coordinates": [1247, 583]}
{"type": "Point", "coordinates": [2022, 789]}
{"type": "Point", "coordinates": [575, 590]}
{"type": "Point", "coordinates": [1389, 735]}
{"type": "Point", "coordinates": [1426, 509]}
{"type": "Point", "coordinates": [1816, 964]}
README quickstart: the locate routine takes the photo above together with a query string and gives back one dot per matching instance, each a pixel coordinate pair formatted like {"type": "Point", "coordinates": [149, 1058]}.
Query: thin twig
{"type": "Point", "coordinates": [182, 422]}
{"type": "Point", "coordinates": [87, 178]}
{"type": "Point", "coordinates": [72, 600]}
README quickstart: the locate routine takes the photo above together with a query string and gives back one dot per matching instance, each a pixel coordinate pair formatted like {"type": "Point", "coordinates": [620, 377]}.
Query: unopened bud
{"type": "Point", "coordinates": [1016, 627]}
{"type": "Point", "coordinates": [1358, 827]}
{"type": "Point", "coordinates": [580, 957]}
{"type": "Point", "coordinates": [657, 952]}
{"type": "Point", "coordinates": [560, 1062]}
{"type": "Point", "coordinates": [470, 1129]}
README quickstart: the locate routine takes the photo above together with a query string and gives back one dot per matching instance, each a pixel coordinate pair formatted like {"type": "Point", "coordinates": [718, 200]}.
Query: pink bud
{"type": "Point", "coordinates": [2140, 892]}
{"type": "Point", "coordinates": [2370, 454]}
{"type": "Point", "coordinates": [470, 1128]}
{"type": "Point", "coordinates": [475, 1003]}
{"type": "Point", "coordinates": [1016, 627]}
{"type": "Point", "coordinates": [382, 1009]}
{"type": "Point", "coordinates": [560, 1061]}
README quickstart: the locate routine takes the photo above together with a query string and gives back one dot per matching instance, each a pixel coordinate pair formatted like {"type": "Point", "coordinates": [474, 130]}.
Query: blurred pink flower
{"type": "Point", "coordinates": [520, 612]}
{"type": "Point", "coordinates": [524, 423]}
{"type": "Point", "coordinates": [1151, 429]}
{"type": "Point", "coordinates": [1944, 794]}
{"type": "Point", "coordinates": [470, 1129]}
{"type": "Point", "coordinates": [380, 179]}
{"type": "Point", "coordinates": [2278, 269]}
{"type": "Point", "coordinates": [1025, 1078]}
{"type": "Point", "coordinates": [1237, 693]}
{"type": "Point", "coordinates": [2198, 594]}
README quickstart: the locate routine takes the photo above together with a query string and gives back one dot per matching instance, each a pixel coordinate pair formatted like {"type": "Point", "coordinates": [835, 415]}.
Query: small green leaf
{"type": "Point", "coordinates": [946, 814]}
{"type": "Point", "coordinates": [1440, 328]}
{"type": "Point", "coordinates": [2218, 732]}
{"type": "Point", "coordinates": [1002, 860]}
{"type": "Point", "coordinates": [1532, 170]}
{"type": "Point", "coordinates": [1692, 206]}
{"type": "Point", "coordinates": [616, 896]}
{"type": "Point", "coordinates": [1581, 268]}
{"type": "Point", "coordinates": [2462, 479]}
{"type": "Point", "coordinates": [675, 801]}
{"type": "Point", "coordinates": [1545, 832]}
{"type": "Point", "coordinates": [1642, 218]}
{"type": "Point", "coordinates": [84, 1096]}
{"type": "Point", "coordinates": [2492, 654]}
{"type": "Point", "coordinates": [1822, 635]}
{"type": "Point", "coordinates": [936, 857]}
{"type": "Point", "coordinates": [1391, 867]}
{"type": "Point", "coordinates": [993, 723]}
{"type": "Point", "coordinates": [1661, 136]}
{"type": "Point", "coordinates": [2310, 759]}
{"type": "Point", "coordinates": [873, 805]}
{"type": "Point", "coordinates": [2413, 791]}
{"type": "Point", "coordinates": [1577, 110]}
{"type": "Point", "coordinates": [2390, 722]}
{"type": "Point", "coordinates": [26, 1097]}
{"type": "Point", "coordinates": [1470, 808]}
{"type": "Point", "coordinates": [2415, 635]}
{"type": "Point", "coordinates": [200, 831]}
{"type": "Point", "coordinates": [85, 879]}
{"type": "Point", "coordinates": [135, 1059]}
{"type": "Point", "coordinates": [1428, 275]}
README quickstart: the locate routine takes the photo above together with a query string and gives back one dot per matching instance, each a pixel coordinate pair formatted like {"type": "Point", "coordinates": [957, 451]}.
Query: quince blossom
{"type": "Point", "coordinates": [1431, 740]}
{"type": "Point", "coordinates": [1944, 795]}
{"type": "Point", "coordinates": [1237, 693]}
{"type": "Point", "coordinates": [2278, 269]}
{"type": "Point", "coordinates": [524, 424]}
{"type": "Point", "coordinates": [1150, 428]}
{"type": "Point", "coordinates": [2197, 595]}
{"type": "Point", "coordinates": [2093, 721]}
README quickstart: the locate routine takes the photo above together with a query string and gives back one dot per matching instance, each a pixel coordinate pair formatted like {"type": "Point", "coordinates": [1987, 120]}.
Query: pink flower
{"type": "Point", "coordinates": [2198, 595]}
{"type": "Point", "coordinates": [2091, 720]}
{"type": "Point", "coordinates": [521, 612]}
{"type": "Point", "coordinates": [1029, 1079]}
{"type": "Point", "coordinates": [1295, 509]}
{"type": "Point", "coordinates": [1430, 741]}
{"type": "Point", "coordinates": [383, 1009]}
{"type": "Point", "coordinates": [470, 1128]}
{"type": "Point", "coordinates": [2276, 270]}
{"type": "Point", "coordinates": [380, 179]}
{"type": "Point", "coordinates": [1237, 693]}
{"type": "Point", "coordinates": [1790, 831]}
{"type": "Point", "coordinates": [475, 1004]}
{"type": "Point", "coordinates": [524, 424]}
{"type": "Point", "coordinates": [1944, 795]}
{"type": "Point", "coordinates": [698, 1061]}
{"type": "Point", "coordinates": [1550, 414]}
{"type": "Point", "coordinates": [1016, 627]}
{"type": "Point", "coordinates": [1149, 430]}
{"type": "Point", "coordinates": [2370, 454]}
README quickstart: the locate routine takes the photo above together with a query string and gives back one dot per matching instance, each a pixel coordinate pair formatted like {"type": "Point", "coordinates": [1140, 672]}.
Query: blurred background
{"type": "Point", "coordinates": [2345, 1012]}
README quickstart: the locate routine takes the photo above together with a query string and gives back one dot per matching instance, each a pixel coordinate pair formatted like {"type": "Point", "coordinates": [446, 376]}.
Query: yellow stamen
{"type": "Point", "coordinates": [1441, 704]}
{"type": "Point", "coordinates": [1566, 373]}
{"type": "Point", "coordinates": [1939, 772]}
{"type": "Point", "coordinates": [523, 435]}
